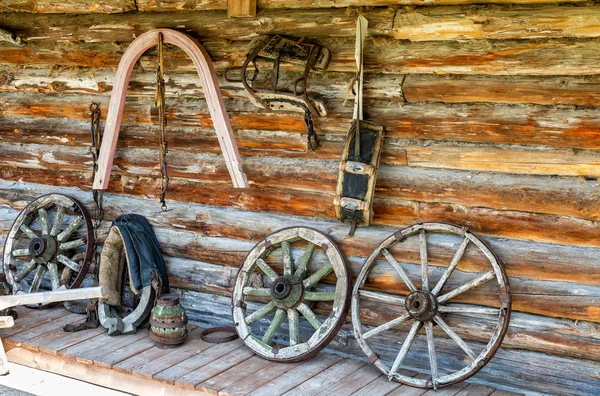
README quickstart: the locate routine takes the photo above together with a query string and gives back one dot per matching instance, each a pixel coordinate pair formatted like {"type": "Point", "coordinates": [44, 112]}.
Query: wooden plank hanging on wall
{"type": "Point", "coordinates": [241, 8]}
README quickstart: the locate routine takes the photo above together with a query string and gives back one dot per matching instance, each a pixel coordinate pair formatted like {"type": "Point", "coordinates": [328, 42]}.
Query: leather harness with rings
{"type": "Point", "coordinates": [278, 49]}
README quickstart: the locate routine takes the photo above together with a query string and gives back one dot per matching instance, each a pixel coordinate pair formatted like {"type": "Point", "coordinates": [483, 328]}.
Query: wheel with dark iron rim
{"type": "Point", "coordinates": [277, 279]}
{"type": "Point", "coordinates": [427, 307]}
{"type": "Point", "coordinates": [51, 240]}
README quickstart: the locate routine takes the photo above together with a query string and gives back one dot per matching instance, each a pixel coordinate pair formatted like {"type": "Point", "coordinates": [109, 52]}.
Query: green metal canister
{"type": "Point", "coordinates": [168, 322]}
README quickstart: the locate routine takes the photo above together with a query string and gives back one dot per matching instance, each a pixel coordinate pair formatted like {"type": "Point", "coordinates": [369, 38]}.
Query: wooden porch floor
{"type": "Point", "coordinates": [132, 364]}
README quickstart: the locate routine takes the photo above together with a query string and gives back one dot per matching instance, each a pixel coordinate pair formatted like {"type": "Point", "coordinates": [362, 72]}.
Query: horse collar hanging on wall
{"type": "Point", "coordinates": [214, 99]}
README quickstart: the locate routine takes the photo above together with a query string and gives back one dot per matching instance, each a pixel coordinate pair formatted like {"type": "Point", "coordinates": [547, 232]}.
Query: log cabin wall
{"type": "Point", "coordinates": [492, 122]}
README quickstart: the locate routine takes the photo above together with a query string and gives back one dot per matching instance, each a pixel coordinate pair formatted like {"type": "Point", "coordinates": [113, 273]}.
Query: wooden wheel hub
{"type": "Point", "coordinates": [287, 291]}
{"type": "Point", "coordinates": [43, 248]}
{"type": "Point", "coordinates": [421, 305]}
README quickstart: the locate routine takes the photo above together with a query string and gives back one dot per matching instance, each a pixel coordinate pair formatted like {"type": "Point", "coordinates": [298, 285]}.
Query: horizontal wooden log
{"type": "Point", "coordinates": [548, 90]}
{"type": "Point", "coordinates": [498, 22]}
{"type": "Point", "coordinates": [567, 90]}
{"type": "Point", "coordinates": [575, 197]}
{"type": "Point", "coordinates": [67, 6]}
{"type": "Point", "coordinates": [508, 224]}
{"type": "Point", "coordinates": [182, 5]}
{"type": "Point", "coordinates": [496, 57]}
{"type": "Point", "coordinates": [420, 24]}
{"type": "Point", "coordinates": [499, 125]}
{"type": "Point", "coordinates": [229, 234]}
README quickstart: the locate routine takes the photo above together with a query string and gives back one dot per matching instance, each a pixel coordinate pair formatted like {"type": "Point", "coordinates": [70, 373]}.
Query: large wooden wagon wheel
{"type": "Point", "coordinates": [277, 284]}
{"type": "Point", "coordinates": [427, 303]}
{"type": "Point", "coordinates": [49, 246]}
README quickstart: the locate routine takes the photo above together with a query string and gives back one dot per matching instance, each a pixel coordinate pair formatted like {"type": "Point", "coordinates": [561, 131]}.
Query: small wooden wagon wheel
{"type": "Point", "coordinates": [50, 241]}
{"type": "Point", "coordinates": [428, 304]}
{"type": "Point", "coordinates": [273, 281]}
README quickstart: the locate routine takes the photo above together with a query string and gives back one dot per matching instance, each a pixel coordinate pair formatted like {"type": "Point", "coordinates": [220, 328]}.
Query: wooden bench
{"type": "Point", "coordinates": [133, 364]}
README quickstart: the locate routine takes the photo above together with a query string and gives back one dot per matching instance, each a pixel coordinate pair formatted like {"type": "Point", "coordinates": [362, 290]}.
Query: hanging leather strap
{"type": "Point", "coordinates": [361, 31]}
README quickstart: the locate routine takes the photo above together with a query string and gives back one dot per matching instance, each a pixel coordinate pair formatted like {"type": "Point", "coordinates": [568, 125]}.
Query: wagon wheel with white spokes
{"type": "Point", "coordinates": [49, 246]}
{"type": "Point", "coordinates": [279, 285]}
{"type": "Point", "coordinates": [427, 301]}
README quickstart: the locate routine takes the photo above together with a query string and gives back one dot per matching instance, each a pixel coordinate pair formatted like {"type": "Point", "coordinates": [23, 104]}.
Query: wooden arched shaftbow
{"type": "Point", "coordinates": [212, 92]}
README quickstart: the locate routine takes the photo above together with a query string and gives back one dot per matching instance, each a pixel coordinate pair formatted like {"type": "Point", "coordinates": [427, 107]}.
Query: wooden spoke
{"type": "Point", "coordinates": [317, 276]}
{"type": "Point", "coordinates": [386, 326]}
{"type": "Point", "coordinates": [294, 326]}
{"type": "Point", "coordinates": [66, 275]}
{"type": "Point", "coordinates": [60, 213]}
{"type": "Point", "coordinates": [309, 315]}
{"type": "Point", "coordinates": [432, 354]}
{"type": "Point", "coordinates": [37, 278]}
{"type": "Point", "coordinates": [404, 348]}
{"type": "Point", "coordinates": [25, 271]}
{"type": "Point", "coordinates": [274, 326]}
{"type": "Point", "coordinates": [466, 308]}
{"type": "Point", "coordinates": [267, 269]}
{"type": "Point", "coordinates": [68, 262]}
{"type": "Point", "coordinates": [461, 343]}
{"type": "Point", "coordinates": [385, 298]}
{"type": "Point", "coordinates": [66, 233]}
{"type": "Point", "coordinates": [54, 277]}
{"type": "Point", "coordinates": [72, 244]}
{"type": "Point", "coordinates": [424, 262]}
{"type": "Point", "coordinates": [21, 253]}
{"type": "Point", "coordinates": [43, 215]}
{"type": "Point", "coordinates": [288, 267]}
{"type": "Point", "coordinates": [257, 291]}
{"type": "Point", "coordinates": [319, 296]}
{"type": "Point", "coordinates": [260, 313]}
{"type": "Point", "coordinates": [303, 264]}
{"type": "Point", "coordinates": [455, 260]}
{"type": "Point", "coordinates": [467, 286]}
{"type": "Point", "coordinates": [28, 231]}
{"type": "Point", "coordinates": [399, 269]}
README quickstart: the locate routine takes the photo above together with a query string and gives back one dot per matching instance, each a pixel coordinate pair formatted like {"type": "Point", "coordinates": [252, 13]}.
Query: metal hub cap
{"type": "Point", "coordinates": [421, 305]}
{"type": "Point", "coordinates": [43, 248]}
{"type": "Point", "coordinates": [281, 288]}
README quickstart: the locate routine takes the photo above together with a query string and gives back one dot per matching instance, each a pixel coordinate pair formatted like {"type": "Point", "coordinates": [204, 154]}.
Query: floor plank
{"type": "Point", "coordinates": [69, 339]}
{"type": "Point", "coordinates": [450, 390]}
{"type": "Point", "coordinates": [353, 382]}
{"type": "Point", "coordinates": [54, 326]}
{"type": "Point", "coordinates": [29, 318]}
{"type": "Point", "coordinates": [250, 383]}
{"type": "Point", "coordinates": [216, 367]}
{"type": "Point", "coordinates": [170, 357]}
{"type": "Point", "coordinates": [326, 378]}
{"type": "Point", "coordinates": [113, 344]}
{"type": "Point", "coordinates": [173, 373]}
{"type": "Point", "coordinates": [235, 373]}
{"type": "Point", "coordinates": [381, 385]}
{"type": "Point", "coordinates": [120, 354]}
{"type": "Point", "coordinates": [297, 375]}
{"type": "Point", "coordinates": [476, 390]}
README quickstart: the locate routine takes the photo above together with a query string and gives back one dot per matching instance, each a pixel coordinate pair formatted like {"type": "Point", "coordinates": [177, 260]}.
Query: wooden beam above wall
{"type": "Point", "coordinates": [68, 6]}
{"type": "Point", "coordinates": [241, 8]}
